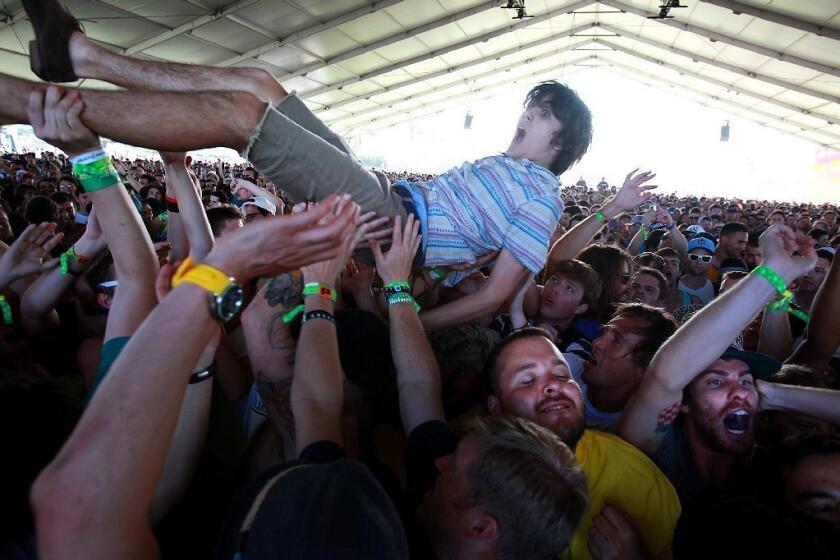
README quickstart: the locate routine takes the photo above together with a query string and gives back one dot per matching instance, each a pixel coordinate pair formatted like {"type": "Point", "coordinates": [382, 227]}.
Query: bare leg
{"type": "Point", "coordinates": [170, 121]}
{"type": "Point", "coordinates": [92, 61]}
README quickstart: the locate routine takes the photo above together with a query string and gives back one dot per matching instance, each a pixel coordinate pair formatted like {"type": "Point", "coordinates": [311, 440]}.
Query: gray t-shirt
{"type": "Point", "coordinates": [673, 457]}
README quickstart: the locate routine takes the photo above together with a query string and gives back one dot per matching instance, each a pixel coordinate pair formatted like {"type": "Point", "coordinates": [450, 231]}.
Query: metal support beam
{"type": "Point", "coordinates": [393, 109]}
{"type": "Point", "coordinates": [658, 81]}
{"type": "Point", "coordinates": [723, 65]}
{"type": "Point", "coordinates": [779, 103]}
{"type": "Point", "coordinates": [506, 85]}
{"type": "Point", "coordinates": [469, 64]}
{"type": "Point", "coordinates": [390, 40]}
{"type": "Point", "coordinates": [123, 11]}
{"type": "Point", "coordinates": [439, 52]}
{"type": "Point", "coordinates": [775, 17]}
{"type": "Point", "coordinates": [309, 31]}
{"type": "Point", "coordinates": [715, 36]}
{"type": "Point", "coordinates": [189, 26]}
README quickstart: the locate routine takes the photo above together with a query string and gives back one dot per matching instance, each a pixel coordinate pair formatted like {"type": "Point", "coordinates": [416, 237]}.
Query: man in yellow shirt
{"type": "Point", "coordinates": [633, 508]}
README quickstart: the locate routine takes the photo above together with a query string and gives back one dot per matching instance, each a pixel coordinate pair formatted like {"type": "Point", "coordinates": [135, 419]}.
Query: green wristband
{"type": "Point", "coordinates": [601, 217]}
{"type": "Point", "coordinates": [97, 175]}
{"type": "Point", "coordinates": [318, 289]}
{"type": "Point", "coordinates": [772, 277]}
{"type": "Point", "coordinates": [6, 310]}
{"type": "Point", "coordinates": [437, 274]}
{"type": "Point", "coordinates": [398, 284]}
{"type": "Point", "coordinates": [402, 297]}
{"type": "Point", "coordinates": [290, 316]}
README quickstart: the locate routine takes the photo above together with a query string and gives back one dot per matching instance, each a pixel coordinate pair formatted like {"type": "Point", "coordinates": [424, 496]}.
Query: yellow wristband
{"type": "Point", "coordinates": [210, 278]}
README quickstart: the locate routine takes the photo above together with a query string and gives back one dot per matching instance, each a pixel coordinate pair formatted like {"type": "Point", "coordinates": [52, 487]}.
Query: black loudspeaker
{"type": "Point", "coordinates": [724, 132]}
{"type": "Point", "coordinates": [468, 120]}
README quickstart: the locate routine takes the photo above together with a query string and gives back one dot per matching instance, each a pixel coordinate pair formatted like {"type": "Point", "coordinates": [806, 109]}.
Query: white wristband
{"type": "Point", "coordinates": [89, 157]}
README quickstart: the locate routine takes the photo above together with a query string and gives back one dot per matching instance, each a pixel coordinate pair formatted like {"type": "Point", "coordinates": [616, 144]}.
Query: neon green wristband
{"type": "Point", "coordinates": [779, 284]}
{"type": "Point", "coordinates": [97, 175]}
{"type": "Point", "coordinates": [318, 289]}
{"type": "Point", "coordinates": [436, 274]}
{"type": "Point", "coordinates": [6, 309]}
{"type": "Point", "coordinates": [403, 297]}
{"type": "Point", "coordinates": [601, 217]}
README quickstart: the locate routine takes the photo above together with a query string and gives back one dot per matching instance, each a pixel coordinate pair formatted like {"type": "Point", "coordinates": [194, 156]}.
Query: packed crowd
{"type": "Point", "coordinates": [299, 357]}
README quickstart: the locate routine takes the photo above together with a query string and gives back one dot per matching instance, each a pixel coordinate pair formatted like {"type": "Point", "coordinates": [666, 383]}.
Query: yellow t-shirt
{"type": "Point", "coordinates": [619, 474]}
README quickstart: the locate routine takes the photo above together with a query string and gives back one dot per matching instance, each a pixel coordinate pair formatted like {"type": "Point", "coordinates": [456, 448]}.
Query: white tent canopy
{"type": "Point", "coordinates": [363, 65]}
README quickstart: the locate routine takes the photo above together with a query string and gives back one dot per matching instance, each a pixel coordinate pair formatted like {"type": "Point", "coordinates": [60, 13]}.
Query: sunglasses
{"type": "Point", "coordinates": [702, 258]}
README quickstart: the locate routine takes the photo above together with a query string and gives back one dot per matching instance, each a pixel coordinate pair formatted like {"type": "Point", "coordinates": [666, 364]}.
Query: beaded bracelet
{"type": "Point", "coordinates": [318, 314]}
{"type": "Point", "coordinates": [6, 309]}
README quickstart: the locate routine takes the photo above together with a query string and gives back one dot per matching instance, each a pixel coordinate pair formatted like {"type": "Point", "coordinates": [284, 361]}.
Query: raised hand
{"type": "Point", "coordinates": [29, 253]}
{"type": "Point", "coordinates": [54, 115]}
{"type": "Point", "coordinates": [92, 241]}
{"type": "Point", "coordinates": [788, 255]}
{"type": "Point", "coordinates": [633, 192]}
{"type": "Point", "coordinates": [395, 265]}
{"type": "Point", "coordinates": [327, 271]}
{"type": "Point", "coordinates": [282, 243]}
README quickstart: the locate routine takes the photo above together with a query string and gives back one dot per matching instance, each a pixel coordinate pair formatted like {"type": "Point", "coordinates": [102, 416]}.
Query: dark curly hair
{"type": "Point", "coordinates": [576, 133]}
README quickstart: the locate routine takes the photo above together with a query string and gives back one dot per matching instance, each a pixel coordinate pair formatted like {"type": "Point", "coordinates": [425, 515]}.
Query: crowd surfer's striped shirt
{"type": "Point", "coordinates": [491, 204]}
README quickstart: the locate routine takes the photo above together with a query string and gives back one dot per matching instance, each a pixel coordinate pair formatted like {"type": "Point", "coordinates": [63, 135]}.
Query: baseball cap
{"type": "Point", "coordinates": [333, 509]}
{"type": "Point", "coordinates": [701, 243]}
{"type": "Point", "coordinates": [762, 366]}
{"type": "Point", "coordinates": [696, 228]}
{"type": "Point", "coordinates": [261, 202]}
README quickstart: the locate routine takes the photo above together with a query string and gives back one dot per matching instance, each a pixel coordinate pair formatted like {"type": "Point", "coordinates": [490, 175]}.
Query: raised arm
{"type": "Point", "coordinates": [55, 118]}
{"type": "Point", "coordinates": [823, 336]}
{"type": "Point", "coordinates": [418, 375]}
{"type": "Point", "coordinates": [190, 210]}
{"type": "Point", "coordinates": [93, 500]}
{"type": "Point", "coordinates": [705, 337]}
{"type": "Point", "coordinates": [632, 193]}
{"type": "Point", "coordinates": [257, 191]}
{"type": "Point", "coordinates": [775, 337]}
{"type": "Point", "coordinates": [318, 385]}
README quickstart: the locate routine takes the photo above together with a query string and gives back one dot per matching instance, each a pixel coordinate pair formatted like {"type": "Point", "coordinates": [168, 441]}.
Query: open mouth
{"type": "Point", "coordinates": [520, 134]}
{"type": "Point", "coordinates": [558, 405]}
{"type": "Point", "coordinates": [737, 422]}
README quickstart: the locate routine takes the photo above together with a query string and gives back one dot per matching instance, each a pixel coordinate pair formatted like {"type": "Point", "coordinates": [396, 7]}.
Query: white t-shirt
{"type": "Point", "coordinates": [704, 294]}
{"type": "Point", "coordinates": [595, 419]}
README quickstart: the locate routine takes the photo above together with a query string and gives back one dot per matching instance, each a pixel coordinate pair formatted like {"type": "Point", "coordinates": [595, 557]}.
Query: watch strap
{"type": "Point", "coordinates": [208, 277]}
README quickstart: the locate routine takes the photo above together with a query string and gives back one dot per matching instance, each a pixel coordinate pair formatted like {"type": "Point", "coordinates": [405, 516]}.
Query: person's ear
{"type": "Point", "coordinates": [104, 300]}
{"type": "Point", "coordinates": [483, 526]}
{"type": "Point", "coordinates": [581, 309]}
{"type": "Point", "coordinates": [494, 406]}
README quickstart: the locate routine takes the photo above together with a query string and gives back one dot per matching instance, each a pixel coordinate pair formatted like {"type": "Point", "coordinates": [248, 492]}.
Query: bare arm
{"type": "Point", "coordinates": [508, 273]}
{"type": "Point", "coordinates": [418, 375]}
{"type": "Point", "coordinates": [819, 403]}
{"type": "Point", "coordinates": [823, 337]}
{"type": "Point", "coordinates": [632, 193]}
{"type": "Point", "coordinates": [705, 337]}
{"type": "Point", "coordinates": [257, 191]}
{"type": "Point", "coordinates": [775, 338]}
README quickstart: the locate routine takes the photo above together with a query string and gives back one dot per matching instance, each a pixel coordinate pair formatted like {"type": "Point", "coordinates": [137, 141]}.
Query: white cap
{"type": "Point", "coordinates": [695, 229]}
{"type": "Point", "coordinates": [261, 202]}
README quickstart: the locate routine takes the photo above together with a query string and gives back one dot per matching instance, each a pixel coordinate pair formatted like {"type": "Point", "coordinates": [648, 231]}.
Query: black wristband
{"type": "Point", "coordinates": [318, 314]}
{"type": "Point", "coordinates": [204, 374]}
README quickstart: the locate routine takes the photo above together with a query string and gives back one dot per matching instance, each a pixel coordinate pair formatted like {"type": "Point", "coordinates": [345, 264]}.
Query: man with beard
{"type": "Point", "coordinates": [732, 244]}
{"type": "Point", "coordinates": [633, 509]}
{"type": "Point", "coordinates": [695, 410]}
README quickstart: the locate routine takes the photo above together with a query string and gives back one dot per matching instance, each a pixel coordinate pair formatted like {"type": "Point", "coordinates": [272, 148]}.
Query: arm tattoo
{"type": "Point", "coordinates": [279, 334]}
{"type": "Point", "coordinates": [280, 393]}
{"type": "Point", "coordinates": [284, 290]}
{"type": "Point", "coordinates": [666, 417]}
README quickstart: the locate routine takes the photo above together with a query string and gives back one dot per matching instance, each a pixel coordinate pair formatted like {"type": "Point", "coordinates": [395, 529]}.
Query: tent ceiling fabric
{"type": "Point", "coordinates": [363, 65]}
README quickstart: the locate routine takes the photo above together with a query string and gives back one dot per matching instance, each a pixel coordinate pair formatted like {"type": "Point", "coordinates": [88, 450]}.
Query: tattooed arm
{"type": "Point", "coordinates": [271, 349]}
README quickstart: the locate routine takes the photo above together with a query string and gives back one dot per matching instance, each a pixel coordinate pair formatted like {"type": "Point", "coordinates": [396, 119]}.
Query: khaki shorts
{"type": "Point", "coordinates": [306, 160]}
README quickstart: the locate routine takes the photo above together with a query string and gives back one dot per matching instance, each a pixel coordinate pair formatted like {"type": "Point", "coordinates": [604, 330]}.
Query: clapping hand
{"type": "Point", "coordinates": [395, 265]}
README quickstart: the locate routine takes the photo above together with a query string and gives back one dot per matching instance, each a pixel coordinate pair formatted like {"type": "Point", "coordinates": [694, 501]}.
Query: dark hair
{"type": "Point", "coordinates": [580, 273]}
{"type": "Point", "coordinates": [491, 373]}
{"type": "Point", "coordinates": [660, 279]}
{"type": "Point", "coordinates": [144, 192]}
{"type": "Point", "coordinates": [800, 376]}
{"type": "Point", "coordinates": [575, 135]}
{"type": "Point", "coordinates": [572, 210]}
{"type": "Point", "coordinates": [752, 240]}
{"type": "Point", "coordinates": [660, 326]}
{"type": "Point", "coordinates": [60, 197]}
{"type": "Point", "coordinates": [653, 240]}
{"type": "Point", "coordinates": [606, 260]}
{"type": "Point", "coordinates": [668, 252]}
{"type": "Point", "coordinates": [650, 260]}
{"type": "Point", "coordinates": [220, 215]}
{"type": "Point", "coordinates": [732, 228]}
{"type": "Point", "coordinates": [825, 254]}
{"type": "Point", "coordinates": [100, 272]}
{"type": "Point", "coordinates": [41, 209]}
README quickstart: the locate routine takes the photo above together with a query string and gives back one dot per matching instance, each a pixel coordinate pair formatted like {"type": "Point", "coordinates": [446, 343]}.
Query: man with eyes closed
{"type": "Point", "coordinates": [633, 508]}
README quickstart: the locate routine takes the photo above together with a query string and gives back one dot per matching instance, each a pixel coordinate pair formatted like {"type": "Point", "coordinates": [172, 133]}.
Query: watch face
{"type": "Point", "coordinates": [229, 302]}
